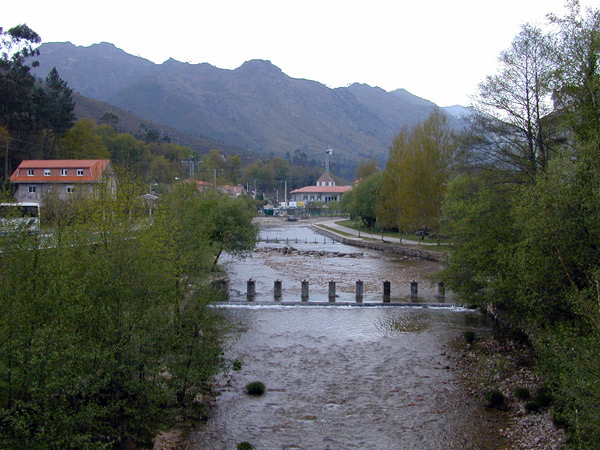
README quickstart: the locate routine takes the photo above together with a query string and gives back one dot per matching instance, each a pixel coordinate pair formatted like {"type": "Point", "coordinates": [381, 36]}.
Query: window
{"type": "Point", "coordinates": [69, 189]}
{"type": "Point", "coordinates": [63, 172]}
{"type": "Point", "coordinates": [79, 172]}
{"type": "Point", "coordinates": [31, 189]}
{"type": "Point", "coordinates": [30, 172]}
{"type": "Point", "coordinates": [47, 172]}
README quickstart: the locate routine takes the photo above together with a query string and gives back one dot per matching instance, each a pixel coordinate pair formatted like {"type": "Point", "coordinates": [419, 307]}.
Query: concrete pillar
{"type": "Point", "coordinates": [359, 291]}
{"type": "Point", "coordinates": [332, 291]}
{"type": "Point", "coordinates": [386, 291]}
{"type": "Point", "coordinates": [251, 290]}
{"type": "Point", "coordinates": [304, 293]}
{"type": "Point", "coordinates": [277, 290]}
{"type": "Point", "coordinates": [414, 289]}
{"type": "Point", "coordinates": [441, 291]}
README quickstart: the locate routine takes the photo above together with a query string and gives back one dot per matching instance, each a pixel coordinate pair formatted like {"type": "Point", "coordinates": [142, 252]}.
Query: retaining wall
{"type": "Point", "coordinates": [382, 246]}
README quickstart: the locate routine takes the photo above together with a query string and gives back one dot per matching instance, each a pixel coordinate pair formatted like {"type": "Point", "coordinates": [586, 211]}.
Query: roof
{"type": "Point", "coordinates": [233, 190]}
{"type": "Point", "coordinates": [93, 170]}
{"type": "Point", "coordinates": [325, 178]}
{"type": "Point", "coordinates": [322, 189]}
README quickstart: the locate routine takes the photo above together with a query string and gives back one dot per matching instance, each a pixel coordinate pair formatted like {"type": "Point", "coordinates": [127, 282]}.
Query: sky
{"type": "Point", "coordinates": [439, 50]}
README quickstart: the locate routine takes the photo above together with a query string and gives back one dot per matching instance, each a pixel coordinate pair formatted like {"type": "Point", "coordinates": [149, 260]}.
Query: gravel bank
{"type": "Point", "coordinates": [495, 363]}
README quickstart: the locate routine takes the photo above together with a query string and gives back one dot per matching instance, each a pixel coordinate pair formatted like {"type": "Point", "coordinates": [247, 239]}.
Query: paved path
{"type": "Point", "coordinates": [331, 223]}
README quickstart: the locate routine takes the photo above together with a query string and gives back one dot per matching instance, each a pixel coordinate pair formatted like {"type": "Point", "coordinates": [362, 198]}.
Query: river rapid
{"type": "Point", "coordinates": [342, 377]}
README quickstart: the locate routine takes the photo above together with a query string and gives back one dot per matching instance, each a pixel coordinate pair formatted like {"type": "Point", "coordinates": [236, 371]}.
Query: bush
{"type": "Point", "coordinates": [255, 388]}
{"type": "Point", "coordinates": [495, 399]}
{"type": "Point", "coordinates": [543, 396]}
{"type": "Point", "coordinates": [469, 336]}
{"type": "Point", "coordinates": [532, 406]}
{"type": "Point", "coordinates": [522, 393]}
{"type": "Point", "coordinates": [542, 399]}
{"type": "Point", "coordinates": [245, 446]}
{"type": "Point", "coordinates": [236, 364]}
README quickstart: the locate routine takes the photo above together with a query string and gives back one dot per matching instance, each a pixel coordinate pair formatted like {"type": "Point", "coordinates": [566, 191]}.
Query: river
{"type": "Point", "coordinates": [342, 377]}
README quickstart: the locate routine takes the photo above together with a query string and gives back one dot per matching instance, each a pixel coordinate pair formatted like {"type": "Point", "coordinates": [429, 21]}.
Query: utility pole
{"type": "Point", "coordinates": [285, 193]}
{"type": "Point", "coordinates": [192, 164]}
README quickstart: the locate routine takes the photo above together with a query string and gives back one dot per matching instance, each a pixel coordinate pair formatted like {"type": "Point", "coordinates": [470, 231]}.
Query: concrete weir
{"type": "Point", "coordinates": [337, 304]}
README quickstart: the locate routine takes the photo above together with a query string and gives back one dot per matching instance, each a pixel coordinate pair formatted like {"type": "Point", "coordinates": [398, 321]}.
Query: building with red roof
{"type": "Point", "coordinates": [61, 177]}
{"type": "Point", "coordinates": [325, 191]}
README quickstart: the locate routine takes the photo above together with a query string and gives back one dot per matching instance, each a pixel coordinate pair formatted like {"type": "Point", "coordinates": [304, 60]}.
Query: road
{"type": "Point", "coordinates": [331, 223]}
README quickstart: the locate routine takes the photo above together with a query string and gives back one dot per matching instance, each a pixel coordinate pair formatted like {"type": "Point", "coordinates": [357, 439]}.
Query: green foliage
{"type": "Point", "coordinates": [106, 333]}
{"type": "Point", "coordinates": [366, 168]}
{"type": "Point", "coordinates": [361, 202]}
{"type": "Point", "coordinates": [495, 399]}
{"type": "Point", "coordinates": [469, 336]}
{"type": "Point", "coordinates": [522, 393]}
{"type": "Point", "coordinates": [530, 250]}
{"type": "Point", "coordinates": [256, 388]}
{"type": "Point", "coordinates": [245, 446]}
{"type": "Point", "coordinates": [236, 364]}
{"type": "Point", "coordinates": [416, 175]}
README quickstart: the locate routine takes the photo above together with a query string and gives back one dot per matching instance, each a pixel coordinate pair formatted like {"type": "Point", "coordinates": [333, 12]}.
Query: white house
{"type": "Point", "coordinates": [325, 191]}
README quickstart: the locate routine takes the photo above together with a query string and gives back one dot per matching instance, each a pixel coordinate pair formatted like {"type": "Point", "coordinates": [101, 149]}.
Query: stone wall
{"type": "Point", "coordinates": [382, 246]}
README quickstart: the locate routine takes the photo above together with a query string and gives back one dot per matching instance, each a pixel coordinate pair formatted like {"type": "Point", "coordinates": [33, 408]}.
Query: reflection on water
{"type": "Point", "coordinates": [409, 322]}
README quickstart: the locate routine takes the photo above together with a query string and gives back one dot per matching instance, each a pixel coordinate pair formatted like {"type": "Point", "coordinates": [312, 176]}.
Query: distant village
{"type": "Point", "coordinates": [36, 179]}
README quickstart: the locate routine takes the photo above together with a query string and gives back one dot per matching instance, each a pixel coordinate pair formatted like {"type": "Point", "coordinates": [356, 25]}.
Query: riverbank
{"type": "Point", "coordinates": [494, 363]}
{"type": "Point", "coordinates": [499, 363]}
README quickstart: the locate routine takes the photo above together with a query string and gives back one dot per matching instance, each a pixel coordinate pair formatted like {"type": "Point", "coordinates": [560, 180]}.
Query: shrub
{"type": "Point", "coordinates": [469, 336]}
{"type": "Point", "coordinates": [495, 399]}
{"type": "Point", "coordinates": [543, 396]}
{"type": "Point", "coordinates": [236, 364]}
{"type": "Point", "coordinates": [245, 446]}
{"type": "Point", "coordinates": [255, 388]}
{"type": "Point", "coordinates": [542, 399]}
{"type": "Point", "coordinates": [532, 406]}
{"type": "Point", "coordinates": [522, 393]}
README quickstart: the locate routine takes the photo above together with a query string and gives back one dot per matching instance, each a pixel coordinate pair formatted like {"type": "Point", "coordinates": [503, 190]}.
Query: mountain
{"type": "Point", "coordinates": [128, 122]}
{"type": "Point", "coordinates": [256, 106]}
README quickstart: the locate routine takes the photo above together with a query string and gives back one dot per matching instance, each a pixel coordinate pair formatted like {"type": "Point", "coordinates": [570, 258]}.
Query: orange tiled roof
{"type": "Point", "coordinates": [322, 189]}
{"type": "Point", "coordinates": [92, 170]}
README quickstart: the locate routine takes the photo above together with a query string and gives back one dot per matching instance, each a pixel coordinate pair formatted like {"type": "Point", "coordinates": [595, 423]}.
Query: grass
{"type": "Point", "coordinates": [392, 234]}
{"type": "Point", "coordinates": [334, 230]}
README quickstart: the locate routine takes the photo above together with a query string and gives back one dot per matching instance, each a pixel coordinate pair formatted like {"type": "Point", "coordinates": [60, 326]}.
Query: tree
{"type": "Point", "coordinates": [82, 141]}
{"type": "Point", "coordinates": [418, 169]}
{"type": "Point", "coordinates": [107, 335]}
{"type": "Point", "coordinates": [366, 169]}
{"type": "Point", "coordinates": [17, 107]}
{"type": "Point", "coordinates": [576, 59]}
{"type": "Point", "coordinates": [361, 202]}
{"type": "Point", "coordinates": [55, 106]}
{"type": "Point", "coordinates": [530, 251]}
{"type": "Point", "coordinates": [509, 131]}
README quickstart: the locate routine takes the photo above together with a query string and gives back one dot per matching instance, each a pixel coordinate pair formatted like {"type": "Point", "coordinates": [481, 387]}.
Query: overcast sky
{"type": "Point", "coordinates": [437, 49]}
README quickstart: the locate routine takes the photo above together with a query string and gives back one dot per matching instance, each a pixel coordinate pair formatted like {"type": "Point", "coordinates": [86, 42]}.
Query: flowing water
{"type": "Point", "coordinates": [341, 377]}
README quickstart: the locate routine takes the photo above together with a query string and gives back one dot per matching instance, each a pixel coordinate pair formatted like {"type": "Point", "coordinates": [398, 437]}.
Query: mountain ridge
{"type": "Point", "coordinates": [255, 106]}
